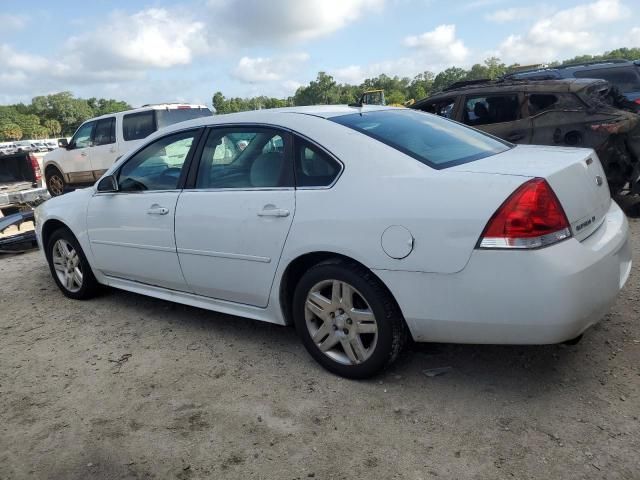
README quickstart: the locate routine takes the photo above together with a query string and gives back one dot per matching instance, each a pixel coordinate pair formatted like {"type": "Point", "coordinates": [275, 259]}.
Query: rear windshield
{"type": "Point", "coordinates": [432, 140]}
{"type": "Point", "coordinates": [175, 115]}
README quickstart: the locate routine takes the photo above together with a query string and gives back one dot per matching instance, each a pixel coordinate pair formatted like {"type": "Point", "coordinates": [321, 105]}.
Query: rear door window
{"type": "Point", "coordinates": [136, 126]}
{"type": "Point", "coordinates": [434, 141]}
{"type": "Point", "coordinates": [105, 132]}
{"type": "Point", "coordinates": [488, 109]}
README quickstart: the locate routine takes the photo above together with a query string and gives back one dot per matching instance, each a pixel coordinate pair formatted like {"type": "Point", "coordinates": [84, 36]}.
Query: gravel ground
{"type": "Point", "coordinates": [125, 386]}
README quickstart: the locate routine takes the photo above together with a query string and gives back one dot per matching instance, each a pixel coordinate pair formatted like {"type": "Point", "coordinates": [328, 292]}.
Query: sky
{"type": "Point", "coordinates": [151, 51]}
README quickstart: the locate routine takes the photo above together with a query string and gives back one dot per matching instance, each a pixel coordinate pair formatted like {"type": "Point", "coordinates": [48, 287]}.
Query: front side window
{"type": "Point", "coordinates": [157, 166]}
{"type": "Point", "coordinates": [314, 168]}
{"type": "Point", "coordinates": [82, 138]}
{"type": "Point", "coordinates": [432, 140]}
{"type": "Point", "coordinates": [105, 132]}
{"type": "Point", "coordinates": [138, 125]}
{"type": "Point", "coordinates": [486, 110]}
{"type": "Point", "coordinates": [244, 158]}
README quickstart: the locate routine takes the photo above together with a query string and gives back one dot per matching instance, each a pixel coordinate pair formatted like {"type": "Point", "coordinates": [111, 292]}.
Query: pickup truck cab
{"type": "Point", "coordinates": [100, 141]}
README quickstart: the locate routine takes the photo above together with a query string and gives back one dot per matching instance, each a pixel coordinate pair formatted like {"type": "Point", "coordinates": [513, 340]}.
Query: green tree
{"type": "Point", "coordinates": [10, 131]}
{"type": "Point", "coordinates": [53, 127]}
{"type": "Point", "coordinates": [448, 77]}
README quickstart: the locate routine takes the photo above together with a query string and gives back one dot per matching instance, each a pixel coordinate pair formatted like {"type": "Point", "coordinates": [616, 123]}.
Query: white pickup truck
{"type": "Point", "coordinates": [100, 141]}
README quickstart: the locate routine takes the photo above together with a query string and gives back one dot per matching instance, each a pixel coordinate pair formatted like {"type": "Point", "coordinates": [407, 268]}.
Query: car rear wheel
{"type": "Point", "coordinates": [55, 182]}
{"type": "Point", "coordinates": [69, 266]}
{"type": "Point", "coordinates": [347, 319]}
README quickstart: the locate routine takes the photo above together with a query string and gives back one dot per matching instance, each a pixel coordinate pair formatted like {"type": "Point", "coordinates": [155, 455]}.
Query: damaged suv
{"type": "Point", "coordinates": [569, 112]}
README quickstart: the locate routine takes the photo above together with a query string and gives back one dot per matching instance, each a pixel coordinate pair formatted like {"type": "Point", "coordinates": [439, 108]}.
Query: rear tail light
{"type": "Point", "coordinates": [37, 174]}
{"type": "Point", "coordinates": [531, 217]}
{"type": "Point", "coordinates": [637, 100]}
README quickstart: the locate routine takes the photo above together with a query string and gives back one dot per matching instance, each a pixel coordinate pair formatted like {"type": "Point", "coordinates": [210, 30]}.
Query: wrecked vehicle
{"type": "Point", "coordinates": [20, 191]}
{"type": "Point", "coordinates": [623, 74]}
{"type": "Point", "coordinates": [569, 112]}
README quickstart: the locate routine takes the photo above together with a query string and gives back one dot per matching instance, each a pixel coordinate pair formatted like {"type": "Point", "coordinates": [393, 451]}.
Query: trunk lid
{"type": "Point", "coordinates": [575, 175]}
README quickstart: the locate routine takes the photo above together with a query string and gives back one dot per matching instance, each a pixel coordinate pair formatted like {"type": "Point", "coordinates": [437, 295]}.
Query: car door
{"type": "Point", "coordinates": [500, 114]}
{"type": "Point", "coordinates": [76, 164]}
{"type": "Point", "coordinates": [103, 152]}
{"type": "Point", "coordinates": [232, 225]}
{"type": "Point", "coordinates": [131, 231]}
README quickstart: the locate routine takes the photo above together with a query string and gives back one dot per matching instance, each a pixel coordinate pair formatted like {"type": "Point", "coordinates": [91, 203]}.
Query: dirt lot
{"type": "Point", "coordinates": [131, 387]}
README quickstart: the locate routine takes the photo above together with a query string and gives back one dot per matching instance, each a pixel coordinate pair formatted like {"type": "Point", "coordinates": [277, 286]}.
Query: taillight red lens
{"type": "Point", "coordinates": [35, 167]}
{"type": "Point", "coordinates": [637, 100]}
{"type": "Point", "coordinates": [531, 217]}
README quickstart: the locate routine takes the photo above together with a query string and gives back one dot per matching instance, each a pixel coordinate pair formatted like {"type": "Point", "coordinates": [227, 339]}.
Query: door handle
{"type": "Point", "coordinates": [112, 150]}
{"type": "Point", "coordinates": [273, 212]}
{"type": "Point", "coordinates": [83, 154]}
{"type": "Point", "coordinates": [157, 210]}
{"type": "Point", "coordinates": [515, 136]}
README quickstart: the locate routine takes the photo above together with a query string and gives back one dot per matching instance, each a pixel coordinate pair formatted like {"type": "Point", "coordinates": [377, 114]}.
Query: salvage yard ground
{"type": "Point", "coordinates": [126, 386]}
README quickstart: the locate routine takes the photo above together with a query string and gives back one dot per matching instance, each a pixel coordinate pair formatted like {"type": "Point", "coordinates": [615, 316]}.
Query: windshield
{"type": "Point", "coordinates": [175, 115]}
{"type": "Point", "coordinates": [432, 140]}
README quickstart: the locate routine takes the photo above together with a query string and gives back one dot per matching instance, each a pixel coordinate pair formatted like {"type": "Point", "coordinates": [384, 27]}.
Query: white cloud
{"type": "Point", "coordinates": [519, 13]}
{"type": "Point", "coordinates": [568, 32]}
{"type": "Point", "coordinates": [260, 69]}
{"type": "Point", "coordinates": [439, 44]}
{"type": "Point", "coordinates": [634, 37]}
{"type": "Point", "coordinates": [9, 21]}
{"type": "Point", "coordinates": [156, 38]}
{"type": "Point", "coordinates": [355, 74]}
{"type": "Point", "coordinates": [259, 21]}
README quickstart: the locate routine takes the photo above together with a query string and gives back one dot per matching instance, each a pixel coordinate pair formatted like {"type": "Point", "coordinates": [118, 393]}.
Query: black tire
{"type": "Point", "coordinates": [55, 182]}
{"type": "Point", "coordinates": [391, 328]}
{"type": "Point", "coordinates": [90, 285]}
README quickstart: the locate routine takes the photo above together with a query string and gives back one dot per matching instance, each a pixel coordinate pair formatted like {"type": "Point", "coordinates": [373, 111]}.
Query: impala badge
{"type": "Point", "coordinates": [599, 180]}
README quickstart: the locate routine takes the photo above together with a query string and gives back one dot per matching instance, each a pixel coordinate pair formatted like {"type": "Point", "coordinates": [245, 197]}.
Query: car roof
{"type": "Point", "coordinates": [559, 85]}
{"type": "Point", "coordinates": [275, 116]}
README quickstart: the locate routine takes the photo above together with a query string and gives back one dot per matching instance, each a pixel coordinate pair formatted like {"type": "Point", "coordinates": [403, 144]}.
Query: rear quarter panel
{"type": "Point", "coordinates": [445, 211]}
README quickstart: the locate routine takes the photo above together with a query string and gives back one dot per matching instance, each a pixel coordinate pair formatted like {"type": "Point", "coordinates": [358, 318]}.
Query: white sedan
{"type": "Point", "coordinates": [360, 226]}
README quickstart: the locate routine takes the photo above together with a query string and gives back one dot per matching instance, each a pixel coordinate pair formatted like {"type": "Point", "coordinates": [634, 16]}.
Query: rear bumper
{"type": "Point", "coordinates": [32, 195]}
{"type": "Point", "coordinates": [519, 297]}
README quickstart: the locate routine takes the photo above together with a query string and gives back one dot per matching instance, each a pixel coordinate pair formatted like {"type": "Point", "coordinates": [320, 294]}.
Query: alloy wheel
{"type": "Point", "coordinates": [66, 263]}
{"type": "Point", "coordinates": [340, 322]}
{"type": "Point", "coordinates": [55, 184]}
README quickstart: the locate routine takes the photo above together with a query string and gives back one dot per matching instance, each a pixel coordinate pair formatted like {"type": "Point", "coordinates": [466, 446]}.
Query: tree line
{"type": "Point", "coordinates": [50, 116]}
{"type": "Point", "coordinates": [398, 90]}
{"type": "Point", "coordinates": [61, 113]}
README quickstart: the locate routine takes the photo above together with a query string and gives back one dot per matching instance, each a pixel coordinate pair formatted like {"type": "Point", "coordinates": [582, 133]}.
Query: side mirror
{"type": "Point", "coordinates": [108, 184]}
{"type": "Point", "coordinates": [63, 143]}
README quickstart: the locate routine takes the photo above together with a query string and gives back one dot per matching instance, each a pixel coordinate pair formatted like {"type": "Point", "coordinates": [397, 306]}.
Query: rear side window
{"type": "Point", "coordinates": [627, 79]}
{"type": "Point", "coordinates": [105, 132]}
{"type": "Point", "coordinates": [138, 125]}
{"type": "Point", "coordinates": [434, 141]}
{"type": "Point", "coordinates": [314, 168]}
{"type": "Point", "coordinates": [181, 114]}
{"type": "Point", "coordinates": [490, 109]}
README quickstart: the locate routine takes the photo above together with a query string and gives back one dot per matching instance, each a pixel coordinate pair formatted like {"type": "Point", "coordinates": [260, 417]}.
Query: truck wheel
{"type": "Point", "coordinates": [55, 182]}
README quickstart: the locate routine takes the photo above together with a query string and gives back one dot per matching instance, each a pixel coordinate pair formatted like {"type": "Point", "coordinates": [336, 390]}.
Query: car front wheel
{"type": "Point", "coordinates": [69, 266]}
{"type": "Point", "coordinates": [347, 319]}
